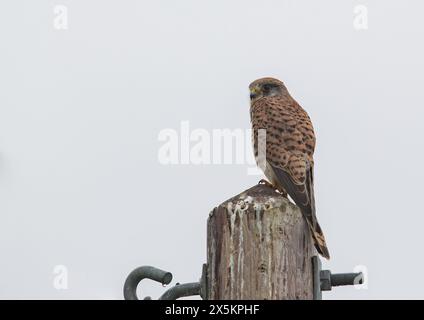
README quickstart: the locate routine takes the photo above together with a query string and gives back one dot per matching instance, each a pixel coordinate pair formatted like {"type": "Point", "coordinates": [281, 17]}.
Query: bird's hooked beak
{"type": "Point", "coordinates": [254, 92]}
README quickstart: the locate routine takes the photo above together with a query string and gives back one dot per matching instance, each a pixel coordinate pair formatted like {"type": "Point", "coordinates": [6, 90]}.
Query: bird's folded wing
{"type": "Point", "coordinates": [301, 193]}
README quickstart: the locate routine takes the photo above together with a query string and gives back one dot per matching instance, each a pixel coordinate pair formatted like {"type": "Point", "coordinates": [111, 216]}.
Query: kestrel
{"type": "Point", "coordinates": [289, 148]}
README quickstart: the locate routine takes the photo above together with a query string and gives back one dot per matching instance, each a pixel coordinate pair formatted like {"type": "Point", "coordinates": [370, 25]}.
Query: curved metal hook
{"type": "Point", "coordinates": [144, 272]}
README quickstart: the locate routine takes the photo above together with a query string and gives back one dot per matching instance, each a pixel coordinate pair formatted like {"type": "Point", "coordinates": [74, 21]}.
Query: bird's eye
{"type": "Point", "coordinates": [266, 87]}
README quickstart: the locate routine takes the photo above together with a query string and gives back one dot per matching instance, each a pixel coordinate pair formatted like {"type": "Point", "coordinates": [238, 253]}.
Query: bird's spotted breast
{"type": "Point", "coordinates": [290, 139]}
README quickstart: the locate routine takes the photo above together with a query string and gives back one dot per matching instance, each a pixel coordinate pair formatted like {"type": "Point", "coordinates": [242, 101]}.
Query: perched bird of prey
{"type": "Point", "coordinates": [289, 148]}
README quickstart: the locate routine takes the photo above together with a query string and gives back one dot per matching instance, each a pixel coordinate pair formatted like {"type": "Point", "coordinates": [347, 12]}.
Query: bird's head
{"type": "Point", "coordinates": [266, 87]}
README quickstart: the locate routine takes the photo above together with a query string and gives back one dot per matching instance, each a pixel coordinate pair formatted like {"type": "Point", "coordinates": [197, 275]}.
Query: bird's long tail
{"type": "Point", "coordinates": [319, 239]}
{"type": "Point", "coordinates": [303, 196]}
{"type": "Point", "coordinates": [311, 218]}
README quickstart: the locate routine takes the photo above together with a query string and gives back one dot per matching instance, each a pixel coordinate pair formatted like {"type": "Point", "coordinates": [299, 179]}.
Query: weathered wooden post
{"type": "Point", "coordinates": [258, 247]}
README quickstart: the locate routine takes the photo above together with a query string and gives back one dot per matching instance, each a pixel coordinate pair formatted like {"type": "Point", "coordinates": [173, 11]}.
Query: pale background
{"type": "Point", "coordinates": [81, 110]}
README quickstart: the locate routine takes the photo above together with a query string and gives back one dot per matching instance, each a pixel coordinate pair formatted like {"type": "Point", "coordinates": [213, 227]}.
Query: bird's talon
{"type": "Point", "coordinates": [266, 183]}
{"type": "Point", "coordinates": [282, 192]}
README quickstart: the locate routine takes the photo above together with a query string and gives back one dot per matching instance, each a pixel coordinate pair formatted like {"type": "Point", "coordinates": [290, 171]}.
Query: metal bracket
{"type": "Point", "coordinates": [152, 273]}
{"type": "Point", "coordinates": [324, 280]}
{"type": "Point", "coordinates": [204, 282]}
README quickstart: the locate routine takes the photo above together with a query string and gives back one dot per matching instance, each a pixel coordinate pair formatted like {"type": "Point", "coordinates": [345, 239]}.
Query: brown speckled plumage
{"type": "Point", "coordinates": [290, 144]}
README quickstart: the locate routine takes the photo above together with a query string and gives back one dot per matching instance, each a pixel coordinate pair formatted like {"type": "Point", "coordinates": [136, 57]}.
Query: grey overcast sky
{"type": "Point", "coordinates": [81, 110]}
